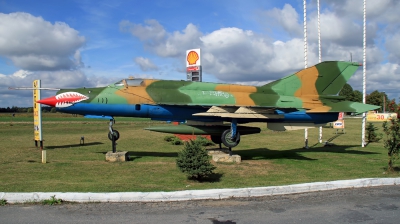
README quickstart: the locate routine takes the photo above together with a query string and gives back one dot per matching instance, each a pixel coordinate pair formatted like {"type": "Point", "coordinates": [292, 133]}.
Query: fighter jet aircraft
{"type": "Point", "coordinates": [305, 99]}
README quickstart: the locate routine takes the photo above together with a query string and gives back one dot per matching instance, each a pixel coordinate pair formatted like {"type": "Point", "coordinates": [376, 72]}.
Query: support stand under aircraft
{"type": "Point", "coordinates": [113, 135]}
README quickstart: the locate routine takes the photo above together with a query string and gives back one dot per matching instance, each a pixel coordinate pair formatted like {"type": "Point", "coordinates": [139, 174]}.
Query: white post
{"type": "Point", "coordinates": [305, 60]}
{"type": "Point", "coordinates": [364, 73]}
{"type": "Point", "coordinates": [44, 156]}
{"type": "Point", "coordinates": [319, 58]}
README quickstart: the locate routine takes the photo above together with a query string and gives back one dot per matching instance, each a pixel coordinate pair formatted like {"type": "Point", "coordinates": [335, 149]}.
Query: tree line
{"type": "Point", "coordinates": [15, 109]}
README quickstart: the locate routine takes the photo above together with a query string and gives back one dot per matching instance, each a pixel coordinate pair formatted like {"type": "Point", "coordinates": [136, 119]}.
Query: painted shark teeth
{"type": "Point", "coordinates": [64, 99]}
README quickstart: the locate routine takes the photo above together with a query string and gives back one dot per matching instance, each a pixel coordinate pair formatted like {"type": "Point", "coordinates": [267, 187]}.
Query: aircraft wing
{"type": "Point", "coordinates": [240, 112]}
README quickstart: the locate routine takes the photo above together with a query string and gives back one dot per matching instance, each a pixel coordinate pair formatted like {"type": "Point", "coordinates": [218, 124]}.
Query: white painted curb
{"type": "Point", "coordinates": [15, 197]}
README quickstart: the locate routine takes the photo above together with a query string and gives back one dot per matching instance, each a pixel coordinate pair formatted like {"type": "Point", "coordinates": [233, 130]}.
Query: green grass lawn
{"type": "Point", "coordinates": [268, 159]}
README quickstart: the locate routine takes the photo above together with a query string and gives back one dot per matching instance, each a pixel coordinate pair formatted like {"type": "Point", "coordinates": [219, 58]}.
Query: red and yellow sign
{"type": "Point", "coordinates": [193, 57]}
{"type": "Point", "coordinates": [380, 117]}
{"type": "Point", "coordinates": [37, 111]}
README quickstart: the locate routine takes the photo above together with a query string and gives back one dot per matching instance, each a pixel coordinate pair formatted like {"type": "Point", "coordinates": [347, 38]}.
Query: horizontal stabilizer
{"type": "Point", "coordinates": [344, 106]}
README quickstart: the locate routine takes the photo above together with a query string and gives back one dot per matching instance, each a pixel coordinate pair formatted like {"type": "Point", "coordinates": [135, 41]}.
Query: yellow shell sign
{"type": "Point", "coordinates": [192, 57]}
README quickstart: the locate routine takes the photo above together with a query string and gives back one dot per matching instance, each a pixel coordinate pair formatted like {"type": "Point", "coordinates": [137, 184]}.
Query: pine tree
{"type": "Point", "coordinates": [193, 160]}
{"type": "Point", "coordinates": [372, 136]}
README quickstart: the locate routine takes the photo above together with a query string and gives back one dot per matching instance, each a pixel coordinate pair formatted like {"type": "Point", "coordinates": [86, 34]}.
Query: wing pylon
{"type": "Point", "coordinates": [240, 112]}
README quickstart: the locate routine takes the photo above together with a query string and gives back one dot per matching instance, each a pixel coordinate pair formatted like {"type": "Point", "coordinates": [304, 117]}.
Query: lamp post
{"type": "Point", "coordinates": [384, 102]}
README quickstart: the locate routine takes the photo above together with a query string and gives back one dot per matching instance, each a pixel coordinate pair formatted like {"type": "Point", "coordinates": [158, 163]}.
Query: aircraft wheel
{"type": "Point", "coordinates": [115, 133]}
{"type": "Point", "coordinates": [226, 138]}
{"type": "Point", "coordinates": [216, 139]}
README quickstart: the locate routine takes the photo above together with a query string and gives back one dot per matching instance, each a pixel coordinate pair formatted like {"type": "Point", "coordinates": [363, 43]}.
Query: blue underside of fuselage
{"type": "Point", "coordinates": [183, 113]}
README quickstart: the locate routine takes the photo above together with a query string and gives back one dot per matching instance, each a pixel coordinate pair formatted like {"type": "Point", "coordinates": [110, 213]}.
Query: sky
{"type": "Point", "coordinates": [88, 43]}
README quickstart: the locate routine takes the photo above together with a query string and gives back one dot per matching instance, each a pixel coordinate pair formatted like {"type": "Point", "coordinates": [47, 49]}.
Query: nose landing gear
{"type": "Point", "coordinates": [113, 135]}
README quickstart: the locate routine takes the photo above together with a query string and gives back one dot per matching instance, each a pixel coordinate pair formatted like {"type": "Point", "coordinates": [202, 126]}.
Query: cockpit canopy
{"type": "Point", "coordinates": [130, 82]}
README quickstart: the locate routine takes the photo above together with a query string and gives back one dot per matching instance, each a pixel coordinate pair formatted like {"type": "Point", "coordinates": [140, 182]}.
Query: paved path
{"type": "Point", "coordinates": [361, 205]}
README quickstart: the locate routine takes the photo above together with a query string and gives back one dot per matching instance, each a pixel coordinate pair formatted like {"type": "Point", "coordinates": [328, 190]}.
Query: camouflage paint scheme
{"type": "Point", "coordinates": [306, 97]}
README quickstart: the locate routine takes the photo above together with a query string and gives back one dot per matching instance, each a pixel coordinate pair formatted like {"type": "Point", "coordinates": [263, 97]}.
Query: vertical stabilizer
{"type": "Point", "coordinates": [325, 78]}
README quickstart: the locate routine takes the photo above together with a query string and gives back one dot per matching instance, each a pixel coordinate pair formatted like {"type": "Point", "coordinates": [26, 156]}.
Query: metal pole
{"type": "Point", "coordinates": [384, 102]}
{"type": "Point", "coordinates": [305, 60]}
{"type": "Point", "coordinates": [364, 72]}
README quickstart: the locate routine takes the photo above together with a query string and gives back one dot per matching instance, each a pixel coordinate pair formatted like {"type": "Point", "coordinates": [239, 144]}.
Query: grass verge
{"type": "Point", "coordinates": [268, 159]}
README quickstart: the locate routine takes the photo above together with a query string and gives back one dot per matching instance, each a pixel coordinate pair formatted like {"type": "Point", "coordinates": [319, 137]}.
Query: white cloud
{"type": "Point", "coordinates": [153, 31]}
{"type": "Point", "coordinates": [64, 79]}
{"type": "Point", "coordinates": [333, 51]}
{"type": "Point", "coordinates": [381, 77]}
{"type": "Point", "coordinates": [339, 30]}
{"type": "Point", "coordinates": [32, 43]}
{"type": "Point", "coordinates": [392, 45]}
{"type": "Point", "coordinates": [157, 40]}
{"type": "Point", "coordinates": [230, 54]}
{"type": "Point", "coordinates": [145, 64]}
{"type": "Point", "coordinates": [287, 18]}
{"type": "Point", "coordinates": [380, 11]}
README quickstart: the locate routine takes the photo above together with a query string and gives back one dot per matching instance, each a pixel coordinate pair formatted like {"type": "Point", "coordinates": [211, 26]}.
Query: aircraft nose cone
{"type": "Point", "coordinates": [51, 101]}
{"type": "Point", "coordinates": [65, 99]}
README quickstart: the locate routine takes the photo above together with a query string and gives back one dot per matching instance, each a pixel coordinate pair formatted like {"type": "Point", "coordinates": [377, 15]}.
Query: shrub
{"type": "Point", "coordinates": [204, 141]}
{"type": "Point", "coordinates": [392, 141]}
{"type": "Point", "coordinates": [177, 141]}
{"type": "Point", "coordinates": [173, 139]}
{"type": "Point", "coordinates": [372, 136]}
{"type": "Point", "coordinates": [169, 138]}
{"type": "Point", "coordinates": [193, 160]}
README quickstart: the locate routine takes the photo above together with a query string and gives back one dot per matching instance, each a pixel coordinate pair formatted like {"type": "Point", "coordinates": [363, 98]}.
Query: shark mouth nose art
{"type": "Point", "coordinates": [64, 99]}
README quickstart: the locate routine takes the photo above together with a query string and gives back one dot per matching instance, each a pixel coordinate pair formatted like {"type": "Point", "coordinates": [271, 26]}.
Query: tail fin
{"type": "Point", "coordinates": [325, 78]}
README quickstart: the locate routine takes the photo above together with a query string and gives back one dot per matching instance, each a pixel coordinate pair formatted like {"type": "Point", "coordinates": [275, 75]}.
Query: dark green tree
{"type": "Point", "coordinates": [377, 98]}
{"type": "Point", "coordinates": [193, 160]}
{"type": "Point", "coordinates": [22, 110]}
{"type": "Point", "coordinates": [350, 94]}
{"type": "Point", "coordinates": [357, 96]}
{"type": "Point", "coordinates": [347, 92]}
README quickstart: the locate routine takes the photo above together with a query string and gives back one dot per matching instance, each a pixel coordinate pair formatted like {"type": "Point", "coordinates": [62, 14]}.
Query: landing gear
{"type": "Point", "coordinates": [231, 137]}
{"type": "Point", "coordinates": [113, 135]}
{"type": "Point", "coordinates": [227, 139]}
